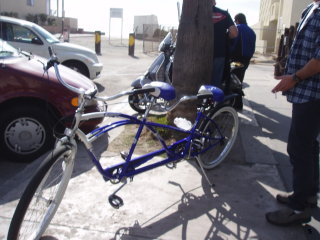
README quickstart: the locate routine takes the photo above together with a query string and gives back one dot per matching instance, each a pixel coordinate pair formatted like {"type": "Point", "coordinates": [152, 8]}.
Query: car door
{"type": "Point", "coordinates": [22, 37]}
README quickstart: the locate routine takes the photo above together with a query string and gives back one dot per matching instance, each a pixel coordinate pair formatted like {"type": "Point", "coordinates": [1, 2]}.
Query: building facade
{"type": "Point", "coordinates": [53, 8]}
{"type": "Point", "coordinates": [24, 7]}
{"type": "Point", "coordinates": [275, 16]}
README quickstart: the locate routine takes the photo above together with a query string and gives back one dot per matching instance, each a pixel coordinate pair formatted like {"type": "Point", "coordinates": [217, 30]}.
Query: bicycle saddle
{"type": "Point", "coordinates": [162, 90]}
{"type": "Point", "coordinates": [217, 93]}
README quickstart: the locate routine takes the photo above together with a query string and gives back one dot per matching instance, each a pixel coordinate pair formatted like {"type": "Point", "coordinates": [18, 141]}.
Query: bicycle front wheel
{"type": "Point", "coordinates": [220, 133]}
{"type": "Point", "coordinates": [43, 195]}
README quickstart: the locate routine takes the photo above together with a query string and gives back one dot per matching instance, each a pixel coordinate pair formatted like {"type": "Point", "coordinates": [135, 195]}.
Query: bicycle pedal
{"type": "Point", "coordinates": [124, 155]}
{"type": "Point", "coordinates": [171, 165]}
{"type": "Point", "coordinates": [115, 201]}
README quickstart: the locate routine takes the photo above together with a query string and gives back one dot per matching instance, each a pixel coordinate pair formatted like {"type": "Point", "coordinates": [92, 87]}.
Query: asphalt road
{"type": "Point", "coordinates": [119, 69]}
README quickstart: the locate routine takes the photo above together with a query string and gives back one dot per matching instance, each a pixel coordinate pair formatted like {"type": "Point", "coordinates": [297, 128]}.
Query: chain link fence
{"type": "Point", "coordinates": [152, 34]}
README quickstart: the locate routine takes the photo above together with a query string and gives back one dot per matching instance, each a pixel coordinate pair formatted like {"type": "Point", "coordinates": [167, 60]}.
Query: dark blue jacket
{"type": "Point", "coordinates": [245, 43]}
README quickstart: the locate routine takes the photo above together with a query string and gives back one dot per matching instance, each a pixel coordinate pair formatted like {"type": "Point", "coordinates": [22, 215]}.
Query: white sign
{"type": "Point", "coordinates": [116, 12]}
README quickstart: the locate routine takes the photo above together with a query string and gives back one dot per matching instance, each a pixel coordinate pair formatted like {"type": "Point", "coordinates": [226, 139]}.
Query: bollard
{"type": "Point", "coordinates": [98, 42]}
{"type": "Point", "coordinates": [131, 44]}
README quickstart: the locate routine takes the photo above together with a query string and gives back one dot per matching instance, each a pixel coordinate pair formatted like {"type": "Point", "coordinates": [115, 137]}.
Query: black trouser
{"type": "Point", "coordinates": [303, 150]}
{"type": "Point", "coordinates": [240, 72]}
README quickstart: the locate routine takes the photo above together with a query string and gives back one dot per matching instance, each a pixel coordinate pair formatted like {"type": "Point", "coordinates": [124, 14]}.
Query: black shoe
{"type": "Point", "coordinates": [285, 199]}
{"type": "Point", "coordinates": [287, 217]}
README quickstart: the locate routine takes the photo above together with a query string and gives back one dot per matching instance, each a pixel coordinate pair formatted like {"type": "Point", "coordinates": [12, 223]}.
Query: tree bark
{"type": "Point", "coordinates": [193, 57]}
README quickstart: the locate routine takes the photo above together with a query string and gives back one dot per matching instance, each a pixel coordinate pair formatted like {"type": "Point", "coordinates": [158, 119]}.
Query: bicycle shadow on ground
{"type": "Point", "coordinates": [232, 209]}
{"type": "Point", "coordinates": [235, 208]}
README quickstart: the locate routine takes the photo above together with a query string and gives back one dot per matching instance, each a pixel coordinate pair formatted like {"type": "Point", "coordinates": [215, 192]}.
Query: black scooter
{"type": "Point", "coordinates": [160, 70]}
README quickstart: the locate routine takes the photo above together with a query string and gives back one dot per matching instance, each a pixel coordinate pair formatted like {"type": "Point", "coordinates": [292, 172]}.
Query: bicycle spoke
{"type": "Point", "coordinates": [221, 132]}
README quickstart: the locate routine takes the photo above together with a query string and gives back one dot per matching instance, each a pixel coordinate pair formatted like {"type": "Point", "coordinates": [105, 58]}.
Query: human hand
{"type": "Point", "coordinates": [286, 83]}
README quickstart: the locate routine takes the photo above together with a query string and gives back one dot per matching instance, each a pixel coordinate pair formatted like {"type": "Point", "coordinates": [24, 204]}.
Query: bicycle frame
{"type": "Point", "coordinates": [128, 168]}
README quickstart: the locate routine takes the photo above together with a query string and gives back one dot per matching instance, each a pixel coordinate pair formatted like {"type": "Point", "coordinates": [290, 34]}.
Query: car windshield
{"type": "Point", "coordinates": [6, 50]}
{"type": "Point", "coordinates": [46, 35]}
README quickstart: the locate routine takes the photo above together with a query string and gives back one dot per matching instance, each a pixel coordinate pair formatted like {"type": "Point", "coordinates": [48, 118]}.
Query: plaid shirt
{"type": "Point", "coordinates": [305, 47]}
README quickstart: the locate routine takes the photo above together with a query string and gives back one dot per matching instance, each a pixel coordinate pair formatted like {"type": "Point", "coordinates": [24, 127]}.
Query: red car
{"type": "Point", "coordinates": [34, 105]}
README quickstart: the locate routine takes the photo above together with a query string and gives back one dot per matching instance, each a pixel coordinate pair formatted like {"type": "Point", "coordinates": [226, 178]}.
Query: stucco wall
{"type": "Point", "coordinates": [21, 7]}
{"type": "Point", "coordinates": [273, 23]}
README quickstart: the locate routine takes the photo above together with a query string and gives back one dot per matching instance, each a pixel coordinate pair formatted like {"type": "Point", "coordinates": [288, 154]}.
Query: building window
{"type": "Point", "coordinates": [30, 2]}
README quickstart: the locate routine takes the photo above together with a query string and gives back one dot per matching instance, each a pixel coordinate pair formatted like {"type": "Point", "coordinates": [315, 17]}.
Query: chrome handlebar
{"type": "Point", "coordinates": [90, 93]}
{"type": "Point", "coordinates": [53, 62]}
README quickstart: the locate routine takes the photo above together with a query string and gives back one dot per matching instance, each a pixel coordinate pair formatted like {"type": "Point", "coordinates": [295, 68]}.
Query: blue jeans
{"type": "Point", "coordinates": [217, 71]}
{"type": "Point", "coordinates": [303, 150]}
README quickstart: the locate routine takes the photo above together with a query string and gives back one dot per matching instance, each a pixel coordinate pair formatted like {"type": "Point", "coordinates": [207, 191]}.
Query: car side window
{"type": "Point", "coordinates": [2, 31]}
{"type": "Point", "coordinates": [6, 33]}
{"type": "Point", "coordinates": [22, 34]}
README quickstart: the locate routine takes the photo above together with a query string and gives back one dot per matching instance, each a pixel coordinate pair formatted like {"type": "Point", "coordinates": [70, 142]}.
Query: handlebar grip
{"type": "Point", "coordinates": [53, 58]}
{"type": "Point", "coordinates": [143, 90]}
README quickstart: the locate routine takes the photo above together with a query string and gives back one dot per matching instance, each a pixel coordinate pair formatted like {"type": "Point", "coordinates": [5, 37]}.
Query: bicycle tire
{"type": "Point", "coordinates": [223, 124]}
{"type": "Point", "coordinates": [43, 195]}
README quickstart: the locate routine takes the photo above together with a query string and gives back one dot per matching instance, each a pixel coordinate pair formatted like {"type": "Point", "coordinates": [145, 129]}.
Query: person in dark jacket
{"type": "Point", "coordinates": [243, 47]}
{"type": "Point", "coordinates": [224, 28]}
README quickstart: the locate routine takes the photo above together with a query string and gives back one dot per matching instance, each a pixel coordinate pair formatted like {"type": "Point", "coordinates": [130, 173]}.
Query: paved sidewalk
{"type": "Point", "coordinates": [179, 204]}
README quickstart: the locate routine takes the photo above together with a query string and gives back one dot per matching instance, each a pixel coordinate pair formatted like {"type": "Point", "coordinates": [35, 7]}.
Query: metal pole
{"type": "Point", "coordinates": [179, 11]}
{"type": "Point", "coordinates": [109, 27]}
{"type": "Point", "coordinates": [57, 8]}
{"type": "Point", "coordinates": [48, 7]}
{"type": "Point", "coordinates": [63, 9]}
{"type": "Point", "coordinates": [62, 17]}
{"type": "Point", "coordinates": [121, 29]}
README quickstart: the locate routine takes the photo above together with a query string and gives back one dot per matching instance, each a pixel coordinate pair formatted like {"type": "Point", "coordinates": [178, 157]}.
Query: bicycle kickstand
{"type": "Point", "coordinates": [211, 184]}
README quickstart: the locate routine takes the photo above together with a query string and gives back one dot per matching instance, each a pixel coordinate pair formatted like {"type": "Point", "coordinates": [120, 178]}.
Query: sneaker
{"type": "Point", "coordinates": [285, 199]}
{"type": "Point", "coordinates": [287, 217]}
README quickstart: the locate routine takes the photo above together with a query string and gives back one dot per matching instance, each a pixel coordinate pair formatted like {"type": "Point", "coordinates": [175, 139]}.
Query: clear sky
{"type": "Point", "coordinates": [94, 14]}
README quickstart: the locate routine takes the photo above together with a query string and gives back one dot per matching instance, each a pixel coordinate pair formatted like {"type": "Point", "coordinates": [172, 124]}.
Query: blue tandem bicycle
{"type": "Point", "coordinates": [208, 140]}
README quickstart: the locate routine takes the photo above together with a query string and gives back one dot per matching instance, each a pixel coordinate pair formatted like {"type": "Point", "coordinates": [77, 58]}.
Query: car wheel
{"type": "Point", "coordinates": [78, 67]}
{"type": "Point", "coordinates": [25, 133]}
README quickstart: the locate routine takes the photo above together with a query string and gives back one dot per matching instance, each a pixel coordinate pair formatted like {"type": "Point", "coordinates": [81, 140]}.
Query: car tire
{"type": "Point", "coordinates": [78, 67]}
{"type": "Point", "coordinates": [25, 132]}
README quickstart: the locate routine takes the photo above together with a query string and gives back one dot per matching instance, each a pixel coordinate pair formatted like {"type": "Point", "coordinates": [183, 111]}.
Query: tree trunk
{"type": "Point", "coordinates": [193, 55]}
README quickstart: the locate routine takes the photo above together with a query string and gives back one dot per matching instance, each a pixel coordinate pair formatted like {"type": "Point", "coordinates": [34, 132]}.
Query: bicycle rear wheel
{"type": "Point", "coordinates": [43, 195]}
{"type": "Point", "coordinates": [221, 131]}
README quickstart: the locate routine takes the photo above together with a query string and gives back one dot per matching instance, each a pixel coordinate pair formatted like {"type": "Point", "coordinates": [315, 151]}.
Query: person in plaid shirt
{"type": "Point", "coordinates": [301, 85]}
